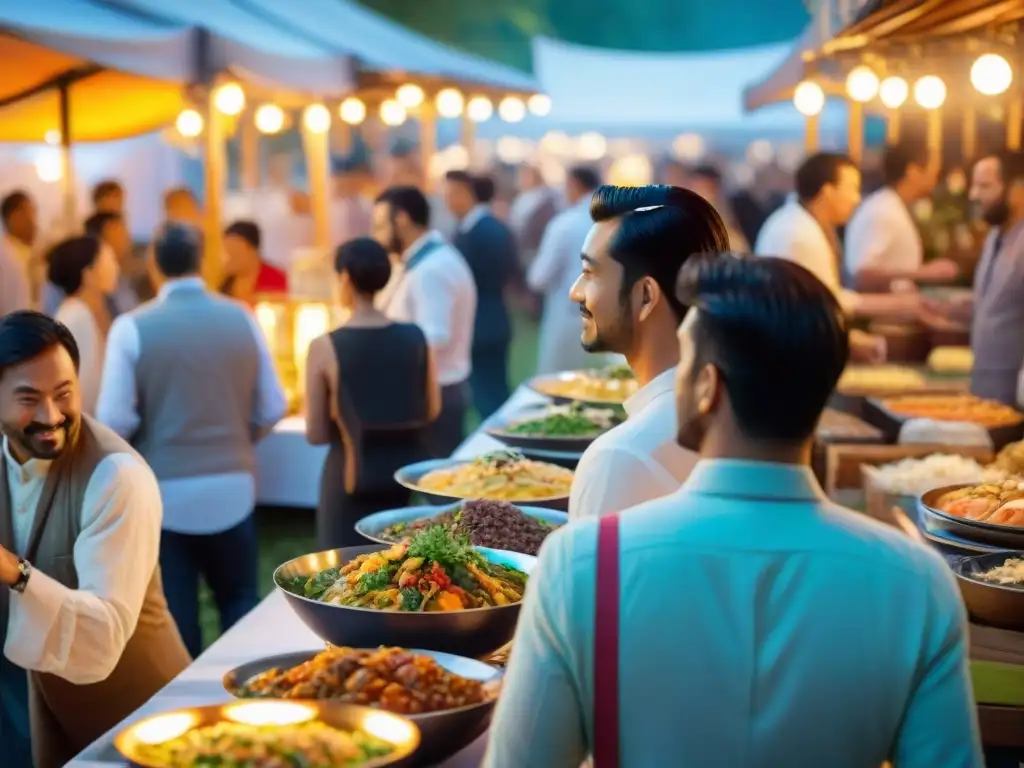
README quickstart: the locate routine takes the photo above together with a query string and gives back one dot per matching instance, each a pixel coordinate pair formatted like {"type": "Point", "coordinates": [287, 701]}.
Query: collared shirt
{"type": "Point", "coordinates": [472, 218]}
{"type": "Point", "coordinates": [997, 330]}
{"type": "Point", "coordinates": [759, 625]}
{"type": "Point", "coordinates": [15, 293]}
{"type": "Point", "coordinates": [882, 235]}
{"type": "Point", "coordinates": [80, 634]}
{"type": "Point", "coordinates": [636, 461]}
{"type": "Point", "coordinates": [196, 505]}
{"type": "Point", "coordinates": [33, 265]}
{"type": "Point", "coordinates": [439, 296]}
{"type": "Point", "coordinates": [77, 316]}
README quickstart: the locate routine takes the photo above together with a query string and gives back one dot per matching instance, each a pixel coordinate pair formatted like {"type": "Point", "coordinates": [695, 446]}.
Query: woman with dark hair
{"type": "Point", "coordinates": [371, 389]}
{"type": "Point", "coordinates": [86, 272]}
{"type": "Point", "coordinates": [246, 274]}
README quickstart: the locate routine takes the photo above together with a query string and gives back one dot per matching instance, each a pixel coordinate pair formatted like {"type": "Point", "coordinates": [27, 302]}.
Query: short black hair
{"type": "Point", "coordinates": [106, 188]}
{"type": "Point", "coordinates": [11, 203]}
{"type": "Point", "coordinates": [410, 200]}
{"type": "Point", "coordinates": [484, 189]}
{"type": "Point", "coordinates": [247, 230]}
{"type": "Point", "coordinates": [67, 260]}
{"type": "Point", "coordinates": [661, 227]}
{"type": "Point", "coordinates": [96, 223]}
{"type": "Point", "coordinates": [460, 177]}
{"type": "Point", "coordinates": [585, 176]}
{"type": "Point", "coordinates": [777, 336]}
{"type": "Point", "coordinates": [366, 262]}
{"type": "Point", "coordinates": [817, 171]}
{"type": "Point", "coordinates": [707, 171]}
{"type": "Point", "coordinates": [899, 157]}
{"type": "Point", "coordinates": [178, 250]}
{"type": "Point", "coordinates": [26, 334]}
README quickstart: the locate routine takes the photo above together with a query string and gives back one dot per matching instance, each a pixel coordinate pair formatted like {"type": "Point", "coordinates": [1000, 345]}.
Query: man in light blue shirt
{"type": "Point", "coordinates": [760, 625]}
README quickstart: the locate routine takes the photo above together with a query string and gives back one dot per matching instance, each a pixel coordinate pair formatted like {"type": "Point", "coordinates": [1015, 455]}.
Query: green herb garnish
{"type": "Point", "coordinates": [450, 550]}
{"type": "Point", "coordinates": [412, 598]}
{"type": "Point", "coordinates": [374, 580]}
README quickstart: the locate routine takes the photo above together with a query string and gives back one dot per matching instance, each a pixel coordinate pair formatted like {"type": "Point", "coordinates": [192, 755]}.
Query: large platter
{"type": "Point", "coordinates": [399, 731]}
{"type": "Point", "coordinates": [442, 733]}
{"type": "Point", "coordinates": [409, 477]}
{"type": "Point", "coordinates": [475, 632]}
{"type": "Point", "coordinates": [877, 414]}
{"type": "Point", "coordinates": [1004, 536]}
{"type": "Point", "coordinates": [542, 385]}
{"type": "Point", "coordinates": [499, 431]}
{"type": "Point", "coordinates": [997, 605]}
{"type": "Point", "coordinates": [372, 526]}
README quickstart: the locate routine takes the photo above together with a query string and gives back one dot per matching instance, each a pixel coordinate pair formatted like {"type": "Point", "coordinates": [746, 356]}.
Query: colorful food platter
{"type": "Point", "coordinates": [607, 386]}
{"type": "Point", "coordinates": [960, 524]}
{"type": "Point", "coordinates": [566, 428]}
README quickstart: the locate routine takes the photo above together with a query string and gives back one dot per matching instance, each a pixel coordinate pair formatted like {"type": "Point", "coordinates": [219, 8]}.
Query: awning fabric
{"type": "Point", "coordinates": [781, 81]}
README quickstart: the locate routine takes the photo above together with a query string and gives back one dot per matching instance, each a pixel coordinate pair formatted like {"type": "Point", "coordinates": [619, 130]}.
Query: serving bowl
{"type": "Point", "coordinates": [400, 732]}
{"type": "Point", "coordinates": [998, 605]}
{"type": "Point", "coordinates": [548, 385]}
{"type": "Point", "coordinates": [409, 477]}
{"type": "Point", "coordinates": [372, 526]}
{"type": "Point", "coordinates": [442, 733]}
{"type": "Point", "coordinates": [992, 534]}
{"type": "Point", "coordinates": [565, 444]}
{"type": "Point", "coordinates": [473, 632]}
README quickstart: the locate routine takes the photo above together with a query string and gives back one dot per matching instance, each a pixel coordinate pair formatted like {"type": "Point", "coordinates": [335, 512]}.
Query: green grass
{"type": "Point", "coordinates": [285, 533]}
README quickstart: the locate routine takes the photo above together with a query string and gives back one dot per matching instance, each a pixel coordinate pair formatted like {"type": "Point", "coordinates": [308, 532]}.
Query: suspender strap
{"type": "Point", "coordinates": [606, 646]}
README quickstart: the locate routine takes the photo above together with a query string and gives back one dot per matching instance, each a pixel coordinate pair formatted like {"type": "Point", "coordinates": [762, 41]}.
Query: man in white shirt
{"type": "Point", "coordinates": [626, 295]}
{"type": "Point", "coordinates": [824, 638]}
{"type": "Point", "coordinates": [83, 622]}
{"type": "Point", "coordinates": [433, 288]}
{"type": "Point", "coordinates": [19, 218]}
{"type": "Point", "coordinates": [188, 379]}
{"type": "Point", "coordinates": [554, 272]}
{"type": "Point", "coordinates": [883, 242]}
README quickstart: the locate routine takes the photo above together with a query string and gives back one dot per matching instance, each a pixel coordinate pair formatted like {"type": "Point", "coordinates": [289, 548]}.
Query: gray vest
{"type": "Point", "coordinates": [196, 380]}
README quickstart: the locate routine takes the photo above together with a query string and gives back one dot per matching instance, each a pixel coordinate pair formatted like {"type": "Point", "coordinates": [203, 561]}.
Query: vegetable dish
{"type": "Point", "coordinates": [499, 476]}
{"type": "Point", "coordinates": [494, 524]}
{"type": "Point", "coordinates": [434, 572]}
{"type": "Point", "coordinates": [231, 745]}
{"type": "Point", "coordinates": [986, 413]}
{"type": "Point", "coordinates": [390, 678]}
{"type": "Point", "coordinates": [573, 420]}
{"type": "Point", "coordinates": [608, 385]}
{"type": "Point", "coordinates": [999, 504]}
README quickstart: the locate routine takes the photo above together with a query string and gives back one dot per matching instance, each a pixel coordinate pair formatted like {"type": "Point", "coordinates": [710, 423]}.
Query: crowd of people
{"type": "Point", "coordinates": [130, 418]}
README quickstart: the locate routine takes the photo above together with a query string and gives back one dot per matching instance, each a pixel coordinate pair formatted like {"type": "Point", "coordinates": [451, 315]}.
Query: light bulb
{"type": "Point", "coordinates": [591, 146]}
{"type": "Point", "coordinates": [229, 99]}
{"type": "Point", "coordinates": [352, 111]}
{"type": "Point", "coordinates": [930, 92]}
{"type": "Point", "coordinates": [512, 109]}
{"type": "Point", "coordinates": [392, 113]}
{"type": "Point", "coordinates": [479, 109]}
{"type": "Point", "coordinates": [449, 103]}
{"type": "Point", "coordinates": [862, 84]}
{"type": "Point", "coordinates": [991, 74]}
{"type": "Point", "coordinates": [893, 92]}
{"type": "Point", "coordinates": [269, 118]}
{"type": "Point", "coordinates": [409, 95]}
{"type": "Point", "coordinates": [539, 104]}
{"type": "Point", "coordinates": [49, 167]}
{"type": "Point", "coordinates": [808, 98]}
{"type": "Point", "coordinates": [317, 118]}
{"type": "Point", "coordinates": [189, 123]}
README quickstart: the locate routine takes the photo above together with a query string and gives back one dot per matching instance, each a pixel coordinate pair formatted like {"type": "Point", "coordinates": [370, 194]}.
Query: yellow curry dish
{"type": "Point", "coordinates": [499, 476]}
{"type": "Point", "coordinates": [613, 385]}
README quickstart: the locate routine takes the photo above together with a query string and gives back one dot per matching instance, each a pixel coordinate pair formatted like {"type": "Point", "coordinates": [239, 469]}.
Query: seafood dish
{"type": "Point", "coordinates": [880, 378]}
{"type": "Point", "coordinates": [435, 571]}
{"type": "Point", "coordinates": [499, 476]}
{"type": "Point", "coordinates": [394, 679]}
{"type": "Point", "coordinates": [614, 384]}
{"type": "Point", "coordinates": [996, 504]}
{"type": "Point", "coordinates": [493, 524]}
{"type": "Point", "coordinates": [989, 414]}
{"type": "Point", "coordinates": [572, 420]}
{"type": "Point", "coordinates": [233, 745]}
{"type": "Point", "coordinates": [1010, 573]}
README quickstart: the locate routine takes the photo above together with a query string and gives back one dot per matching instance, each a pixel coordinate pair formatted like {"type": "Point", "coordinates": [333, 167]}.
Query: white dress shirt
{"type": "Point", "coordinates": [77, 316]}
{"type": "Point", "coordinates": [438, 295]}
{"type": "Point", "coordinates": [636, 461]}
{"type": "Point", "coordinates": [552, 273]}
{"type": "Point", "coordinates": [80, 634]}
{"type": "Point", "coordinates": [882, 235]}
{"type": "Point", "coordinates": [195, 505]}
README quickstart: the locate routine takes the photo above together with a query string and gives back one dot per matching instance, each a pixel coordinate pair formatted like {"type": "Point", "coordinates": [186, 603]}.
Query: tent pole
{"type": "Point", "coordinates": [855, 131]}
{"type": "Point", "coordinates": [317, 149]}
{"type": "Point", "coordinates": [969, 134]}
{"type": "Point", "coordinates": [249, 153]}
{"type": "Point", "coordinates": [67, 166]}
{"type": "Point", "coordinates": [892, 127]}
{"type": "Point", "coordinates": [428, 143]}
{"type": "Point", "coordinates": [468, 136]}
{"type": "Point", "coordinates": [811, 134]}
{"type": "Point", "coordinates": [935, 137]}
{"type": "Point", "coordinates": [214, 179]}
{"type": "Point", "coordinates": [1014, 118]}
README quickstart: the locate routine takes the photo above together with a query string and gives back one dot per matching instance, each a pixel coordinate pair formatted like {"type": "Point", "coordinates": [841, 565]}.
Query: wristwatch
{"type": "Point", "coordinates": [24, 571]}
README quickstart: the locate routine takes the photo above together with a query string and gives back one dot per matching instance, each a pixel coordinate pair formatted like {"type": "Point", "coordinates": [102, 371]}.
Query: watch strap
{"type": "Point", "coordinates": [24, 571]}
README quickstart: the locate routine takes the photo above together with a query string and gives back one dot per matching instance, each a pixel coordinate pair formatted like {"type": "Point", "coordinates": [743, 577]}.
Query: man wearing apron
{"type": "Point", "coordinates": [433, 288]}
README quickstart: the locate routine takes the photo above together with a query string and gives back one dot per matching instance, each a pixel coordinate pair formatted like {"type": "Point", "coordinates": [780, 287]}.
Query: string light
{"type": "Point", "coordinates": [352, 111]}
{"type": "Point", "coordinates": [269, 118]}
{"type": "Point", "coordinates": [392, 113]}
{"type": "Point", "coordinates": [479, 109]}
{"type": "Point", "coordinates": [450, 103]}
{"type": "Point", "coordinates": [317, 118]}
{"type": "Point", "coordinates": [893, 92]}
{"type": "Point", "coordinates": [808, 98]}
{"type": "Point", "coordinates": [409, 95]}
{"type": "Point", "coordinates": [189, 123]}
{"type": "Point", "coordinates": [229, 99]}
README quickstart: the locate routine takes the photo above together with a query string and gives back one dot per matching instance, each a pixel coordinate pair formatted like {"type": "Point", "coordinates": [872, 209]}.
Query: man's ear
{"type": "Point", "coordinates": [650, 296]}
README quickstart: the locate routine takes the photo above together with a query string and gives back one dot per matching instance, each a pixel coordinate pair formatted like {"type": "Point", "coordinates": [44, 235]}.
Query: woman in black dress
{"type": "Point", "coordinates": [371, 389]}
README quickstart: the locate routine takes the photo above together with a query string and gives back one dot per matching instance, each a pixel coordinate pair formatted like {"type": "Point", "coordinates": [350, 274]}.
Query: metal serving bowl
{"type": "Point", "coordinates": [499, 431]}
{"type": "Point", "coordinates": [398, 731]}
{"type": "Point", "coordinates": [998, 605]}
{"type": "Point", "coordinates": [409, 477]}
{"type": "Point", "coordinates": [442, 733]}
{"type": "Point", "coordinates": [542, 385]}
{"type": "Point", "coordinates": [372, 526]}
{"type": "Point", "coordinates": [474, 632]}
{"type": "Point", "coordinates": [992, 534]}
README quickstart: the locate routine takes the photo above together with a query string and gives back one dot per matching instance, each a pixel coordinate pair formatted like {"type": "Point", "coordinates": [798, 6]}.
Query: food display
{"type": "Point", "coordinates": [493, 524]}
{"type": "Point", "coordinates": [880, 378]}
{"type": "Point", "coordinates": [986, 413]}
{"type": "Point", "coordinates": [614, 384]}
{"type": "Point", "coordinates": [1010, 572]}
{"type": "Point", "coordinates": [951, 360]}
{"type": "Point", "coordinates": [434, 572]}
{"type": "Point", "coordinates": [1010, 459]}
{"type": "Point", "coordinates": [912, 477]}
{"type": "Point", "coordinates": [234, 745]}
{"type": "Point", "coordinates": [394, 679]}
{"type": "Point", "coordinates": [499, 476]}
{"type": "Point", "coordinates": [572, 420]}
{"type": "Point", "coordinates": [993, 503]}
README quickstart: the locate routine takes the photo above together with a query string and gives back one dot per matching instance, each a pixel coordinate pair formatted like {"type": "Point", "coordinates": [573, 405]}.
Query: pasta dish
{"type": "Point", "coordinates": [500, 476]}
{"type": "Point", "coordinates": [609, 385]}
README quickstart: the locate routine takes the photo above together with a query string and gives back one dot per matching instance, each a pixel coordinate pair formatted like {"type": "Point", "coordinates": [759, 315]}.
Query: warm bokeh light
{"type": "Point", "coordinates": [352, 111]}
{"type": "Point", "coordinates": [760, 153]}
{"type": "Point", "coordinates": [991, 74]}
{"type": "Point", "coordinates": [688, 146]}
{"type": "Point", "coordinates": [631, 171]}
{"type": "Point", "coordinates": [392, 113]}
{"type": "Point", "coordinates": [189, 123]}
{"type": "Point", "coordinates": [512, 150]}
{"type": "Point", "coordinates": [893, 92]}
{"type": "Point", "coordinates": [157, 730]}
{"type": "Point", "coordinates": [317, 118]}
{"type": "Point", "coordinates": [591, 146]}
{"type": "Point", "coordinates": [52, 137]}
{"type": "Point", "coordinates": [259, 713]}
{"type": "Point", "coordinates": [555, 143]}
{"type": "Point", "coordinates": [229, 99]}
{"type": "Point", "coordinates": [49, 167]}
{"type": "Point", "coordinates": [409, 95]}
{"type": "Point", "coordinates": [511, 109]}
{"type": "Point", "coordinates": [479, 109]}
{"type": "Point", "coordinates": [388, 727]}
{"type": "Point", "coordinates": [862, 84]}
{"type": "Point", "coordinates": [808, 98]}
{"type": "Point", "coordinates": [450, 102]}
{"type": "Point", "coordinates": [539, 104]}
{"type": "Point", "coordinates": [269, 118]}
{"type": "Point", "coordinates": [930, 92]}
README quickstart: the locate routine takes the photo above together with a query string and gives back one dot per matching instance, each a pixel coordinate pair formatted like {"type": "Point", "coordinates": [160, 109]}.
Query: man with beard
{"type": "Point", "coordinates": [827, 638]}
{"type": "Point", "coordinates": [433, 287]}
{"type": "Point", "coordinates": [640, 238]}
{"type": "Point", "coordinates": [995, 313]}
{"type": "Point", "coordinates": [82, 609]}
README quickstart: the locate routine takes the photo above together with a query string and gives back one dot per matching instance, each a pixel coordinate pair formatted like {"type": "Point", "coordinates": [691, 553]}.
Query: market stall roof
{"type": "Point", "coordinates": [780, 83]}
